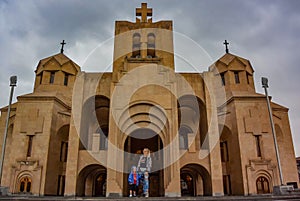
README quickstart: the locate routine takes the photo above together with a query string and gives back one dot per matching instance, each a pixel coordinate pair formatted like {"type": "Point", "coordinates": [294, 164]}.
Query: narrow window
{"type": "Point", "coordinates": [248, 78]}
{"type": "Point", "coordinates": [22, 186]}
{"type": "Point", "coordinates": [52, 74]}
{"type": "Point", "coordinates": [29, 146]}
{"type": "Point", "coordinates": [63, 151]}
{"type": "Point", "coordinates": [66, 79]}
{"type": "Point", "coordinates": [28, 187]}
{"type": "Point", "coordinates": [41, 77]}
{"type": "Point", "coordinates": [61, 185]}
{"type": "Point", "coordinates": [236, 77]}
{"type": "Point", "coordinates": [224, 151]}
{"type": "Point", "coordinates": [223, 78]}
{"type": "Point", "coordinates": [66, 152]}
{"type": "Point", "coordinates": [258, 146]}
{"type": "Point", "coordinates": [151, 45]}
{"type": "Point", "coordinates": [136, 45]}
{"type": "Point", "coordinates": [227, 184]}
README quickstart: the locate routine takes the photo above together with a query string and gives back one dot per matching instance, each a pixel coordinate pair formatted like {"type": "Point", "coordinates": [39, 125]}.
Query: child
{"type": "Point", "coordinates": [146, 184]}
{"type": "Point", "coordinates": [133, 181]}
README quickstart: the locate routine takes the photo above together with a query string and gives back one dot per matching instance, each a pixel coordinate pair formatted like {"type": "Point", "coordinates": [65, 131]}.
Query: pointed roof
{"type": "Point", "coordinates": [228, 59]}
{"type": "Point", "coordinates": [60, 58]}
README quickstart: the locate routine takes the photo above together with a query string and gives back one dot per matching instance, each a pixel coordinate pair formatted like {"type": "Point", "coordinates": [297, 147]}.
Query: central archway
{"type": "Point", "coordinates": [133, 147]}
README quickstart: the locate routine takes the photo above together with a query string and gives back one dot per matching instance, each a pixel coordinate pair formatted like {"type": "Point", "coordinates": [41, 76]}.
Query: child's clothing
{"type": "Point", "coordinates": [133, 181]}
{"type": "Point", "coordinates": [146, 185]}
{"type": "Point", "coordinates": [133, 178]}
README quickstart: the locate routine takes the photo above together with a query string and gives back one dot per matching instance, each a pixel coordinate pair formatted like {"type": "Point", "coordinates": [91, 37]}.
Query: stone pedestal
{"type": "Point", "coordinates": [282, 190]}
{"type": "Point", "coordinates": [4, 191]}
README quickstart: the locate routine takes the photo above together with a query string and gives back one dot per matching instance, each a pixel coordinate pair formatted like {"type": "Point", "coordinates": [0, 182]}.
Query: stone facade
{"type": "Point", "coordinates": [209, 133]}
{"type": "Point", "coordinates": [298, 166]}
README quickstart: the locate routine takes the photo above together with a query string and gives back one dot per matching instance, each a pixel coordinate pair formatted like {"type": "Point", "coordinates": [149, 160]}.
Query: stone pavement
{"type": "Point", "coordinates": [225, 198]}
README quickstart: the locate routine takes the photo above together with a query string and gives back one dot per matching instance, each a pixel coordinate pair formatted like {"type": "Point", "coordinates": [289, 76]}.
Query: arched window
{"type": "Point", "coordinates": [25, 185]}
{"type": "Point", "coordinates": [223, 78]}
{"type": "Point", "coordinates": [41, 77]}
{"type": "Point", "coordinates": [66, 79]}
{"type": "Point", "coordinates": [52, 75]}
{"type": "Point", "coordinates": [262, 185]}
{"type": "Point", "coordinates": [151, 45]}
{"type": "Point", "coordinates": [136, 45]}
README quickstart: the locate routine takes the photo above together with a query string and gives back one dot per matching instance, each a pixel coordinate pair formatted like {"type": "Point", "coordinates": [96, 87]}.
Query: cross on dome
{"type": "Point", "coordinates": [226, 46]}
{"type": "Point", "coordinates": [62, 46]}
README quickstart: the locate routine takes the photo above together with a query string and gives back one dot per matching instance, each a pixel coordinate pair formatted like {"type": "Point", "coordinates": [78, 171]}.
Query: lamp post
{"type": "Point", "coordinates": [13, 84]}
{"type": "Point", "coordinates": [265, 85]}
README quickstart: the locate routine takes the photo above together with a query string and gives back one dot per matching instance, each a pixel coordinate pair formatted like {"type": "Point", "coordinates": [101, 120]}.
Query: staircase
{"type": "Point", "coordinates": [233, 198]}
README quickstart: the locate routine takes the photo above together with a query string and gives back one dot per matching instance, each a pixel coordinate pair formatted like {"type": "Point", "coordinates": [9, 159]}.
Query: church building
{"type": "Point", "coordinates": [79, 133]}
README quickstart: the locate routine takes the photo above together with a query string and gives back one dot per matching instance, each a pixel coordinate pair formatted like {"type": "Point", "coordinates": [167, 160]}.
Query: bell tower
{"type": "Point", "coordinates": [142, 42]}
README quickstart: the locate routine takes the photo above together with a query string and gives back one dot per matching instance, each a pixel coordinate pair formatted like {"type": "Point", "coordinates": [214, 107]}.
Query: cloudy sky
{"type": "Point", "coordinates": [264, 31]}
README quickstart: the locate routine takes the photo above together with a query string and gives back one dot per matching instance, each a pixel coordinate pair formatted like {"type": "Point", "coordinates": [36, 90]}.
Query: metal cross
{"type": "Point", "coordinates": [144, 12]}
{"type": "Point", "coordinates": [62, 46]}
{"type": "Point", "coordinates": [226, 46]}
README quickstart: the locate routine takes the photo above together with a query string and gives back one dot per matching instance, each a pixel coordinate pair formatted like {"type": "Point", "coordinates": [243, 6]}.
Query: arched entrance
{"type": "Point", "coordinates": [92, 181]}
{"type": "Point", "coordinates": [262, 185]}
{"type": "Point", "coordinates": [195, 180]}
{"type": "Point", "coordinates": [134, 145]}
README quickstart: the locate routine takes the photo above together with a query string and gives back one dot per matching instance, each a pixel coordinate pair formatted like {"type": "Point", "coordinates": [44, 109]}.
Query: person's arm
{"type": "Point", "coordinates": [139, 164]}
{"type": "Point", "coordinates": [130, 179]}
{"type": "Point", "coordinates": [149, 164]}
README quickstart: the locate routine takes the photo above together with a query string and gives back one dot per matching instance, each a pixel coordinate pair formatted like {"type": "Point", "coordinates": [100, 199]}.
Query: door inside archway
{"type": "Point", "coordinates": [134, 145]}
{"type": "Point", "coordinates": [187, 184]}
{"type": "Point", "coordinates": [262, 185]}
{"type": "Point", "coordinates": [100, 185]}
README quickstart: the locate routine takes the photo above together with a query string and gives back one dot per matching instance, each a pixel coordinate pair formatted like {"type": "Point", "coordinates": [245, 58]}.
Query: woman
{"type": "Point", "coordinates": [145, 162]}
{"type": "Point", "coordinates": [144, 166]}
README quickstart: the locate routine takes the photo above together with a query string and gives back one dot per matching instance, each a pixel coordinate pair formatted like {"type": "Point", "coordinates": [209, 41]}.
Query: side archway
{"type": "Point", "coordinates": [91, 181]}
{"type": "Point", "coordinates": [195, 180]}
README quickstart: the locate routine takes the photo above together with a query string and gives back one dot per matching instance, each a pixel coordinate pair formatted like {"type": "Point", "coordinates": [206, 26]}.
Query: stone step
{"type": "Point", "coordinates": [225, 198]}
